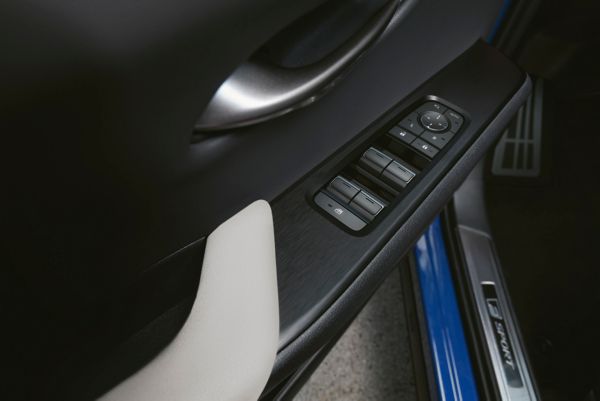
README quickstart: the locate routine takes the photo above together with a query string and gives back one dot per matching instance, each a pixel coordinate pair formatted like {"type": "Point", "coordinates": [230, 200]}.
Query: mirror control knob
{"type": "Point", "coordinates": [434, 121]}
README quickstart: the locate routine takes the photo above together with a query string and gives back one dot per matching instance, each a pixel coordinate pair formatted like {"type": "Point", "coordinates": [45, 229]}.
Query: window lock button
{"type": "Point", "coordinates": [339, 212]}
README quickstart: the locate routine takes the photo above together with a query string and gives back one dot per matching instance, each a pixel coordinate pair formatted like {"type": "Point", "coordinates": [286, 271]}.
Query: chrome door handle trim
{"type": "Point", "coordinates": [258, 91]}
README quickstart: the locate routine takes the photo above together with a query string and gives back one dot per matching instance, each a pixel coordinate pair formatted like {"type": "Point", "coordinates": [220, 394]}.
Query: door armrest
{"type": "Point", "coordinates": [227, 346]}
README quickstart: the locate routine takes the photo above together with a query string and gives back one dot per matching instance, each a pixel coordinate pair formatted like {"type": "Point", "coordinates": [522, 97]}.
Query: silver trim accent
{"type": "Point", "coordinates": [483, 267]}
{"type": "Point", "coordinates": [527, 138]}
{"type": "Point", "coordinates": [259, 91]}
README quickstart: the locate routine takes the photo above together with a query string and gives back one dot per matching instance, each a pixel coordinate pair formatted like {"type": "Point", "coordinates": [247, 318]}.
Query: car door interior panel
{"type": "Point", "coordinates": [320, 255]}
{"type": "Point", "coordinates": [140, 128]}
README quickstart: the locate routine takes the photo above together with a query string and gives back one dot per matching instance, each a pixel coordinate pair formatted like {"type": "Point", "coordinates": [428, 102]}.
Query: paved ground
{"type": "Point", "coordinates": [372, 360]}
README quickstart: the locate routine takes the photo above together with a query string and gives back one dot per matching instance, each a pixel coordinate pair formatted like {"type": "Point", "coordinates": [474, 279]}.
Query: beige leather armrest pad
{"type": "Point", "coordinates": [226, 348]}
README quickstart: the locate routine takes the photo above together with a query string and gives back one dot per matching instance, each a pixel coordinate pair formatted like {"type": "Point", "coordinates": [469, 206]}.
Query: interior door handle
{"type": "Point", "coordinates": [259, 90]}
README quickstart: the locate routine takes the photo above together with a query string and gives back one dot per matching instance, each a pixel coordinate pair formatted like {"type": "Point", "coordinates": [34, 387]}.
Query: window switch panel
{"type": "Point", "coordinates": [400, 149]}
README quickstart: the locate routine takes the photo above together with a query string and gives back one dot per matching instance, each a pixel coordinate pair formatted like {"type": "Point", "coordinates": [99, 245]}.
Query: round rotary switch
{"type": "Point", "coordinates": [434, 121]}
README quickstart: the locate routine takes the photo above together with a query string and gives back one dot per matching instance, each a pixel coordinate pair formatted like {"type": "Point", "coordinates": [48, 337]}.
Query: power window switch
{"type": "Point", "coordinates": [367, 205]}
{"type": "Point", "coordinates": [344, 189]}
{"type": "Point", "coordinates": [398, 174]}
{"type": "Point", "coordinates": [375, 160]}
